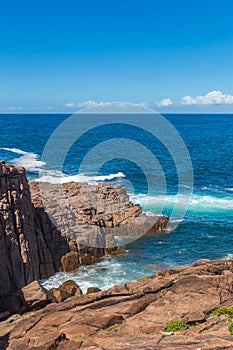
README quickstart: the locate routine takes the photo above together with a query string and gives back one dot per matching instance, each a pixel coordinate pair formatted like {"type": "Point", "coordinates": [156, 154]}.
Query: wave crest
{"type": "Point", "coordinates": [29, 160]}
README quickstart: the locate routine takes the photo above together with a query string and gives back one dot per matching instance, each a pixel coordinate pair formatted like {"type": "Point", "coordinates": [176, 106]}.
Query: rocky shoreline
{"type": "Point", "coordinates": [188, 307]}
{"type": "Point", "coordinates": [78, 226]}
{"type": "Point", "coordinates": [184, 308]}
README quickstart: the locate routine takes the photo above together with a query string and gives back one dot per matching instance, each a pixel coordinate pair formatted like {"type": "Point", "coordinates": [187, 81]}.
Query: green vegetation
{"type": "Point", "coordinates": [227, 311]}
{"type": "Point", "coordinates": [223, 310]}
{"type": "Point", "coordinates": [230, 328]}
{"type": "Point", "coordinates": [162, 293]}
{"type": "Point", "coordinates": [114, 326]}
{"type": "Point", "coordinates": [174, 326]}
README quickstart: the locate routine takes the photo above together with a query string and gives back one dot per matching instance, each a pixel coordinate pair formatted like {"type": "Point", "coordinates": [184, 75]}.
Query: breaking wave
{"type": "Point", "coordinates": [57, 177]}
{"type": "Point", "coordinates": [198, 203]}
{"type": "Point", "coordinates": [30, 161]}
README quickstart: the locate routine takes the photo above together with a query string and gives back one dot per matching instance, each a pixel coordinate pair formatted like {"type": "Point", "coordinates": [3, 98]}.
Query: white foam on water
{"type": "Point", "coordinates": [205, 203]}
{"type": "Point", "coordinates": [228, 256]}
{"type": "Point", "coordinates": [104, 275]}
{"type": "Point", "coordinates": [229, 189]}
{"type": "Point", "coordinates": [29, 160]}
{"type": "Point", "coordinates": [56, 177]}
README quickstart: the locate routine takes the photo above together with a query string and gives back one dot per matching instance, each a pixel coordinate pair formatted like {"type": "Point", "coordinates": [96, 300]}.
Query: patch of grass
{"type": "Point", "coordinates": [223, 310]}
{"type": "Point", "coordinates": [230, 328]}
{"type": "Point", "coordinates": [162, 293]}
{"type": "Point", "coordinates": [174, 326]}
{"type": "Point", "coordinates": [112, 327]}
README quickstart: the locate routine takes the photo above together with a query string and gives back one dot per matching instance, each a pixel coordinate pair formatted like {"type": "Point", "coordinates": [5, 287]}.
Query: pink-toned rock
{"type": "Point", "coordinates": [133, 315]}
{"type": "Point", "coordinates": [91, 290]}
{"type": "Point", "coordinates": [35, 296]}
{"type": "Point", "coordinates": [66, 290]}
{"type": "Point", "coordinates": [77, 227]}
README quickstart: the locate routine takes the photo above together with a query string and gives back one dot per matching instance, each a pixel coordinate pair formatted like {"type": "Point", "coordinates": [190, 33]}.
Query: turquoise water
{"type": "Point", "coordinates": [207, 228]}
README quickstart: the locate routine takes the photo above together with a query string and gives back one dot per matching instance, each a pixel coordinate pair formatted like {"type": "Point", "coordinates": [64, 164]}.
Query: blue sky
{"type": "Point", "coordinates": [60, 56]}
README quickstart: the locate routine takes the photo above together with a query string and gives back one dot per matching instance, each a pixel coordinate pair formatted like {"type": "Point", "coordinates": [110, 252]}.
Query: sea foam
{"type": "Point", "coordinates": [31, 162]}
{"type": "Point", "coordinates": [198, 203]}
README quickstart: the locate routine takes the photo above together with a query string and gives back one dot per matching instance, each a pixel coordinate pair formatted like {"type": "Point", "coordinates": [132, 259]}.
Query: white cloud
{"type": "Point", "coordinates": [165, 102]}
{"type": "Point", "coordinates": [14, 108]}
{"type": "Point", "coordinates": [89, 103]}
{"type": "Point", "coordinates": [70, 105]}
{"type": "Point", "coordinates": [85, 104]}
{"type": "Point", "coordinates": [212, 98]}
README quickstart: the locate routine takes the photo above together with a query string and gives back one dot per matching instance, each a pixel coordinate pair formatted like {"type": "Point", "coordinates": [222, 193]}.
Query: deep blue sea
{"type": "Point", "coordinates": [206, 230]}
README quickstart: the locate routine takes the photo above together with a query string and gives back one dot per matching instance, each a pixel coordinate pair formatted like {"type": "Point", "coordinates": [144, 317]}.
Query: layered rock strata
{"type": "Point", "coordinates": [77, 227]}
{"type": "Point", "coordinates": [184, 308]}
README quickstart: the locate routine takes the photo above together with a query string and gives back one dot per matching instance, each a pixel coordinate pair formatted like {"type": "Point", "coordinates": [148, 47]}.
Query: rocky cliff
{"type": "Point", "coordinates": [30, 248]}
{"type": "Point", "coordinates": [79, 227]}
{"type": "Point", "coordinates": [184, 308]}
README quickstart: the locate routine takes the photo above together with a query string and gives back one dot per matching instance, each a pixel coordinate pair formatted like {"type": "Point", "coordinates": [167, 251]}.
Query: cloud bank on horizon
{"type": "Point", "coordinates": [215, 97]}
{"type": "Point", "coordinates": [212, 98]}
{"type": "Point", "coordinates": [59, 59]}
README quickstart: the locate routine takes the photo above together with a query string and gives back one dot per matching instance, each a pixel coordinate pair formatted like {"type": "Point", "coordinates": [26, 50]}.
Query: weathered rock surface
{"type": "Point", "coordinates": [133, 315]}
{"type": "Point", "coordinates": [25, 255]}
{"type": "Point", "coordinates": [77, 229]}
{"type": "Point", "coordinates": [101, 206]}
{"type": "Point", "coordinates": [66, 290]}
{"type": "Point", "coordinates": [35, 296]}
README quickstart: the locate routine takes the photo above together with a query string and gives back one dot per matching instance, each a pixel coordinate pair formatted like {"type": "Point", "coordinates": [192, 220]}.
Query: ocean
{"type": "Point", "coordinates": [206, 230]}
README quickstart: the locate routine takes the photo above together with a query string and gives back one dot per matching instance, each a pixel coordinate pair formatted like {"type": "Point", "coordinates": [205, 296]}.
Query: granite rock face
{"type": "Point", "coordinates": [25, 255]}
{"type": "Point", "coordinates": [77, 227]}
{"type": "Point", "coordinates": [134, 315]}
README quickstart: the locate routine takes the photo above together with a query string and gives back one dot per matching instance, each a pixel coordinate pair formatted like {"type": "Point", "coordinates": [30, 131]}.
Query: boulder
{"type": "Point", "coordinates": [185, 308]}
{"type": "Point", "coordinates": [66, 290]}
{"type": "Point", "coordinates": [160, 224]}
{"type": "Point", "coordinates": [35, 296]}
{"type": "Point", "coordinates": [91, 290]}
{"type": "Point", "coordinates": [70, 261]}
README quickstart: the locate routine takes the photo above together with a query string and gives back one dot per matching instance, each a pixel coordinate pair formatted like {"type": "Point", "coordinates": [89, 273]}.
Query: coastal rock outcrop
{"type": "Point", "coordinates": [184, 308]}
{"type": "Point", "coordinates": [25, 255]}
{"type": "Point", "coordinates": [78, 228]}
